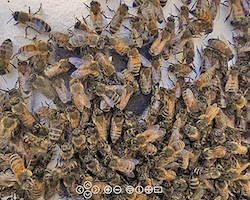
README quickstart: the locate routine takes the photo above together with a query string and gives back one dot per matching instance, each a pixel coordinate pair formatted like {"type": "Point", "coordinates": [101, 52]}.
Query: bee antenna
{"type": "Point", "coordinates": [10, 20]}
{"type": "Point", "coordinates": [5, 82]}
{"type": "Point", "coordinates": [11, 10]}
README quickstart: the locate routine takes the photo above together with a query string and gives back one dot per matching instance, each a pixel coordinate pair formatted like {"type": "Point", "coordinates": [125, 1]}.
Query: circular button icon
{"type": "Point", "coordinates": [130, 189]}
{"type": "Point", "coordinates": [107, 189]}
{"type": "Point", "coordinates": [95, 189]}
{"type": "Point", "coordinates": [117, 189]}
{"type": "Point", "coordinates": [139, 189]}
{"type": "Point", "coordinates": [87, 194]}
{"type": "Point", "coordinates": [79, 189]}
{"type": "Point", "coordinates": [149, 189]}
{"type": "Point", "coordinates": [87, 185]}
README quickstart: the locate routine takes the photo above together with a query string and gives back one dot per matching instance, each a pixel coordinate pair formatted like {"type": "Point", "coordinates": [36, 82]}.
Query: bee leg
{"type": "Point", "coordinates": [111, 10]}
{"type": "Point", "coordinates": [126, 27]}
{"type": "Point", "coordinates": [228, 15]}
{"type": "Point", "coordinates": [26, 31]}
{"type": "Point", "coordinates": [86, 5]}
{"type": "Point", "coordinates": [16, 23]}
{"type": "Point", "coordinates": [39, 9]}
{"type": "Point", "coordinates": [13, 65]}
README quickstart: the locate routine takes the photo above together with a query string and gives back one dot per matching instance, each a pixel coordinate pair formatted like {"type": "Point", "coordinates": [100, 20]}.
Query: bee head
{"type": "Point", "coordinates": [15, 15]}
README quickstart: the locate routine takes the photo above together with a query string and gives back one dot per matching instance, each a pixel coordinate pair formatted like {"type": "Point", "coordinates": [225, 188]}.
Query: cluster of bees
{"type": "Point", "coordinates": [193, 138]}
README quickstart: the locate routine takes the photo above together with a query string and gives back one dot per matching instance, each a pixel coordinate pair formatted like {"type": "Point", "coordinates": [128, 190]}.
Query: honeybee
{"type": "Point", "coordinates": [181, 70]}
{"type": "Point", "coordinates": [20, 109]}
{"type": "Point", "coordinates": [237, 148]}
{"type": "Point", "coordinates": [108, 68]}
{"type": "Point", "coordinates": [169, 106]}
{"type": "Point", "coordinates": [9, 124]}
{"type": "Point", "coordinates": [118, 45]}
{"type": "Point", "coordinates": [38, 144]}
{"type": "Point", "coordinates": [91, 69]}
{"type": "Point", "coordinates": [78, 139]}
{"type": "Point", "coordinates": [232, 84]}
{"type": "Point", "coordinates": [111, 97]}
{"type": "Point", "coordinates": [237, 12]}
{"type": "Point", "coordinates": [37, 190]}
{"type": "Point", "coordinates": [192, 132]}
{"type": "Point", "coordinates": [137, 30]}
{"type": "Point", "coordinates": [73, 115]}
{"type": "Point", "coordinates": [61, 90]}
{"type": "Point", "coordinates": [156, 72]}
{"type": "Point", "coordinates": [125, 166]}
{"type": "Point", "coordinates": [183, 17]}
{"type": "Point", "coordinates": [222, 120]}
{"type": "Point", "coordinates": [56, 125]}
{"type": "Point", "coordinates": [67, 151]}
{"type": "Point", "coordinates": [43, 85]}
{"type": "Point", "coordinates": [210, 114]}
{"type": "Point", "coordinates": [82, 26]}
{"type": "Point", "coordinates": [57, 69]}
{"type": "Point", "coordinates": [146, 80]}
{"type": "Point", "coordinates": [39, 50]}
{"type": "Point", "coordinates": [116, 126]}
{"type": "Point", "coordinates": [190, 101]}
{"type": "Point", "coordinates": [118, 18]}
{"type": "Point", "coordinates": [101, 122]}
{"type": "Point", "coordinates": [221, 46]}
{"type": "Point", "coordinates": [128, 89]}
{"type": "Point", "coordinates": [205, 78]}
{"type": "Point", "coordinates": [82, 39]}
{"type": "Point", "coordinates": [154, 108]}
{"type": "Point", "coordinates": [31, 21]}
{"type": "Point", "coordinates": [24, 72]}
{"type": "Point", "coordinates": [188, 52]}
{"type": "Point", "coordinates": [96, 16]}
{"type": "Point", "coordinates": [217, 152]}
{"type": "Point", "coordinates": [222, 187]}
{"type": "Point", "coordinates": [80, 98]}
{"type": "Point", "coordinates": [148, 14]}
{"type": "Point", "coordinates": [61, 39]}
{"type": "Point", "coordinates": [164, 175]}
{"type": "Point", "coordinates": [150, 135]}
{"type": "Point", "coordinates": [202, 13]}
{"type": "Point", "coordinates": [22, 174]}
{"type": "Point", "coordinates": [214, 8]}
{"type": "Point", "coordinates": [94, 166]}
{"type": "Point", "coordinates": [6, 51]}
{"type": "Point", "coordinates": [149, 150]}
{"type": "Point", "coordinates": [134, 63]}
{"type": "Point", "coordinates": [160, 42]}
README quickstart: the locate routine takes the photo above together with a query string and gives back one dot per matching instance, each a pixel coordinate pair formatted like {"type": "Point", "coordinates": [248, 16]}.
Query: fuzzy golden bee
{"type": "Point", "coordinates": [22, 174]}
{"type": "Point", "coordinates": [125, 166]}
{"type": "Point", "coordinates": [118, 18]}
{"type": "Point", "coordinates": [116, 126]}
{"type": "Point", "coordinates": [6, 51]}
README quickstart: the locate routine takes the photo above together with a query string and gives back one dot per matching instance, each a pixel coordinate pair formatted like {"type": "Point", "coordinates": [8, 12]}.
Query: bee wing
{"type": "Point", "coordinates": [135, 161]}
{"type": "Point", "coordinates": [130, 174]}
{"type": "Point", "coordinates": [27, 54]}
{"type": "Point", "coordinates": [62, 91]}
{"type": "Point", "coordinates": [78, 62]}
{"type": "Point", "coordinates": [80, 73]}
{"type": "Point", "coordinates": [145, 62]}
{"type": "Point", "coordinates": [7, 178]}
{"type": "Point", "coordinates": [109, 101]}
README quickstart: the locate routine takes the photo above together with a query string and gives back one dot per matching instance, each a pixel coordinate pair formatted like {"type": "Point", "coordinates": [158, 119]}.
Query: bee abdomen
{"type": "Point", "coordinates": [194, 183]}
{"type": "Point", "coordinates": [55, 134]}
